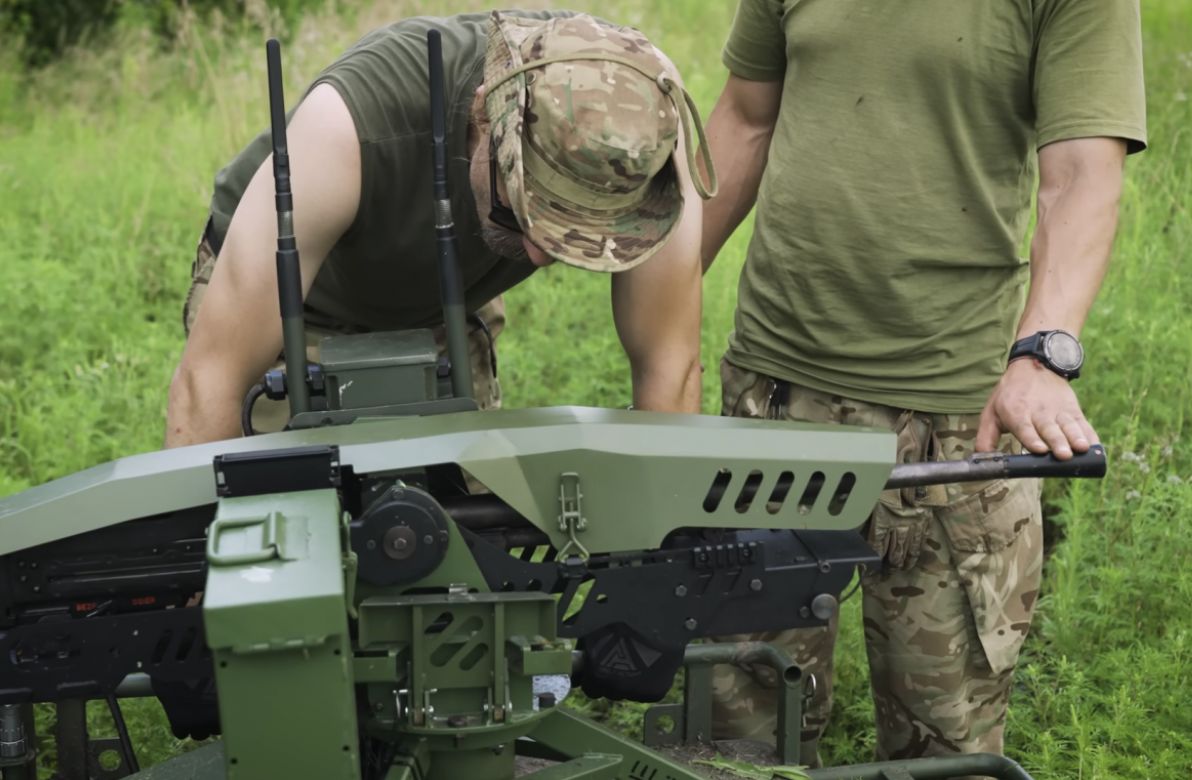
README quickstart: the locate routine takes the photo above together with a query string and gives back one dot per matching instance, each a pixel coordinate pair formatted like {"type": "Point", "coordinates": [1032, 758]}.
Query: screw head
{"type": "Point", "coordinates": [681, 591]}
{"type": "Point", "coordinates": [690, 624]}
{"type": "Point", "coordinates": [755, 585]}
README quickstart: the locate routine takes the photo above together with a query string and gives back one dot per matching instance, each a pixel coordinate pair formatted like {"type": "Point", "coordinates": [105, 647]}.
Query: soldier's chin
{"type": "Point", "coordinates": [502, 242]}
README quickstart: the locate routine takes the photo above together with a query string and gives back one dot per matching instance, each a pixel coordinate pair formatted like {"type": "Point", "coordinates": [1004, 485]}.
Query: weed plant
{"type": "Point", "coordinates": [106, 165]}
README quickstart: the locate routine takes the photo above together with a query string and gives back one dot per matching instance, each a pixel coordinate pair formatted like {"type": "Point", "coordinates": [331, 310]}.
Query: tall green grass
{"type": "Point", "coordinates": [106, 162]}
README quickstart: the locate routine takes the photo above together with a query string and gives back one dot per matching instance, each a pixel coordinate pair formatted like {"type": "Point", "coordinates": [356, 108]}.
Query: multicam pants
{"type": "Point", "coordinates": [484, 327]}
{"type": "Point", "coordinates": [946, 615]}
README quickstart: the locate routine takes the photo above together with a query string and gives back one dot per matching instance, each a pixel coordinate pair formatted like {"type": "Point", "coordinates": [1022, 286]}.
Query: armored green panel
{"type": "Point", "coordinates": [654, 468]}
{"type": "Point", "coordinates": [275, 619]}
{"type": "Point", "coordinates": [375, 369]}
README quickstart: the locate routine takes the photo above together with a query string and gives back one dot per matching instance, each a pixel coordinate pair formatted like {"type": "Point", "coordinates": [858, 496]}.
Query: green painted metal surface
{"type": "Point", "coordinates": [275, 616]}
{"type": "Point", "coordinates": [374, 369]}
{"type": "Point", "coordinates": [652, 467]}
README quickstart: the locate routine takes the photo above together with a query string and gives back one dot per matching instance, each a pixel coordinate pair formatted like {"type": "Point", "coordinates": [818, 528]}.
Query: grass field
{"type": "Point", "coordinates": [106, 162]}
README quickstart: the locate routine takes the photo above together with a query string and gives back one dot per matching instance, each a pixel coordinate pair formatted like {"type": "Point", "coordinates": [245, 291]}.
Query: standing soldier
{"type": "Point", "coordinates": [892, 149]}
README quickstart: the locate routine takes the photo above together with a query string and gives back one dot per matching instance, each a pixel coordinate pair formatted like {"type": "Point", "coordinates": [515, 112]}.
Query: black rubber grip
{"type": "Point", "coordinates": [1089, 464]}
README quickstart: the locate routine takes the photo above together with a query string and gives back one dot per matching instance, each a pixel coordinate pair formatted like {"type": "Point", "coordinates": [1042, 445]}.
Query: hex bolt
{"type": "Point", "coordinates": [755, 585]}
{"type": "Point", "coordinates": [428, 539]}
{"type": "Point", "coordinates": [690, 624]}
{"type": "Point", "coordinates": [371, 544]}
{"type": "Point", "coordinates": [681, 591]}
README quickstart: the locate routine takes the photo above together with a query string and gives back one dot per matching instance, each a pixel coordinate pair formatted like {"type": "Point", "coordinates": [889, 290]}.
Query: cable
{"type": "Point", "coordinates": [250, 400]}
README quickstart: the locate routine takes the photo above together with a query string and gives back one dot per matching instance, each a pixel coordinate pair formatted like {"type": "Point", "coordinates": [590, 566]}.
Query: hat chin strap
{"type": "Point", "coordinates": [686, 109]}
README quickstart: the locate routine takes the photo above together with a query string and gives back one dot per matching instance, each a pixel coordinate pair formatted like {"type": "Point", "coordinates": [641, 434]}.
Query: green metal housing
{"type": "Point", "coordinates": [378, 369]}
{"type": "Point", "coordinates": [658, 469]}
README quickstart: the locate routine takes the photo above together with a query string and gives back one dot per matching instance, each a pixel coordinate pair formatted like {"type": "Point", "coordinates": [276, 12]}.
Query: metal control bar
{"type": "Point", "coordinates": [997, 465]}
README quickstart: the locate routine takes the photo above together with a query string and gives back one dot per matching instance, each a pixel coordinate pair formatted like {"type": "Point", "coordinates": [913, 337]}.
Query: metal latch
{"type": "Point", "coordinates": [571, 516]}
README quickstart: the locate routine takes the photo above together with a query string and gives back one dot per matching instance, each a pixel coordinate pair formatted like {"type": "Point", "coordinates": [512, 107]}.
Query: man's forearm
{"type": "Point", "coordinates": [1078, 206]}
{"type": "Point", "coordinates": [1080, 183]}
{"type": "Point", "coordinates": [739, 131]}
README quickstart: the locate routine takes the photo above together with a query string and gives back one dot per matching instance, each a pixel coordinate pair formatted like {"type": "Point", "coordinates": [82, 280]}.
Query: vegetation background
{"type": "Point", "coordinates": [107, 155]}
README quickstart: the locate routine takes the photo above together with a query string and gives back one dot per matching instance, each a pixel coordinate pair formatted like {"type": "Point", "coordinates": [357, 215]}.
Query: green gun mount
{"type": "Point", "coordinates": [339, 601]}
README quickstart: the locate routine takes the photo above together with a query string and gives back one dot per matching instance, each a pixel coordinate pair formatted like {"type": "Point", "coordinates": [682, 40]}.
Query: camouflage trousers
{"type": "Point", "coordinates": [484, 326]}
{"type": "Point", "coordinates": [946, 614]}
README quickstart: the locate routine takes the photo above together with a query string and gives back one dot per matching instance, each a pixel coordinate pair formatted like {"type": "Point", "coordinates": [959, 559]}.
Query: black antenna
{"type": "Point", "coordinates": [451, 291]}
{"type": "Point", "coordinates": [289, 273]}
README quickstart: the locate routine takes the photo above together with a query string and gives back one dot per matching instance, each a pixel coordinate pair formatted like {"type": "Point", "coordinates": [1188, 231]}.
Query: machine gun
{"type": "Point", "coordinates": [337, 602]}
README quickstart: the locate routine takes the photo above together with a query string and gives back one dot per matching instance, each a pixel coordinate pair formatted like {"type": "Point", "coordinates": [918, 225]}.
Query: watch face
{"type": "Point", "coordinates": [1063, 350]}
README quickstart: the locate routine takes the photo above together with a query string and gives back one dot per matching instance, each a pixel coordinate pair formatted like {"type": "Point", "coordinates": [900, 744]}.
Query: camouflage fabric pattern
{"type": "Point", "coordinates": [271, 416]}
{"type": "Point", "coordinates": [946, 615]}
{"type": "Point", "coordinates": [585, 145]}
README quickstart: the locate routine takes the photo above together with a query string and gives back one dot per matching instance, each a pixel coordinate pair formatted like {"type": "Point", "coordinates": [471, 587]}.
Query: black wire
{"type": "Point", "coordinates": [246, 408]}
{"type": "Point", "coordinates": [856, 586]}
{"type": "Point", "coordinates": [130, 758]}
{"type": "Point", "coordinates": [479, 322]}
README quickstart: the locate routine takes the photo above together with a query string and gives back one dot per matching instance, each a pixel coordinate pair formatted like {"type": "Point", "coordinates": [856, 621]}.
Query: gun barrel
{"type": "Point", "coordinates": [986, 466]}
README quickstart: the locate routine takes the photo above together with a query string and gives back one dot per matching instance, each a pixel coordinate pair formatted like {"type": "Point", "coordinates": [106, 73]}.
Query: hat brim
{"type": "Point", "coordinates": [604, 241]}
{"type": "Point", "coordinates": [607, 241]}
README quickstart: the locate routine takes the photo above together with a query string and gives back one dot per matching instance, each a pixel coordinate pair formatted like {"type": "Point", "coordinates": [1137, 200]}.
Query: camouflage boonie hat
{"type": "Point", "coordinates": [584, 120]}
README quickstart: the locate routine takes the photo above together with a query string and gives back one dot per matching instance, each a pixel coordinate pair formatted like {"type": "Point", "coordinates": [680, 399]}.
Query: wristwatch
{"type": "Point", "coordinates": [1057, 350]}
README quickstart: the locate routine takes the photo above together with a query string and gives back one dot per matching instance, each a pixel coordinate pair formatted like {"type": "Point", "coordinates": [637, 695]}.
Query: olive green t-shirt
{"type": "Point", "coordinates": [382, 273]}
{"type": "Point", "coordinates": [884, 262]}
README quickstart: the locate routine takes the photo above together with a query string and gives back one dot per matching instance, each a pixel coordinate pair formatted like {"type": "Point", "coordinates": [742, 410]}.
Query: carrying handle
{"type": "Point", "coordinates": [998, 465]}
{"type": "Point", "coordinates": [271, 540]}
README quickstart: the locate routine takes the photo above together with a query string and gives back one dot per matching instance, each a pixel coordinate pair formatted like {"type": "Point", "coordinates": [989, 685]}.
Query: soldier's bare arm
{"type": "Point", "coordinates": [656, 307]}
{"type": "Point", "coordinates": [1080, 182]}
{"type": "Point", "coordinates": [739, 131]}
{"type": "Point", "coordinates": [236, 335]}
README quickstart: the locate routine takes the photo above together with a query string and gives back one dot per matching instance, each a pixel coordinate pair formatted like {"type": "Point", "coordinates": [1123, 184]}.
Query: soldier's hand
{"type": "Point", "coordinates": [1040, 408]}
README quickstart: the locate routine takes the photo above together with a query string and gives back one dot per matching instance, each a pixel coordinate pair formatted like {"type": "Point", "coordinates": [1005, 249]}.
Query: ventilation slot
{"type": "Point", "coordinates": [778, 494]}
{"type": "Point", "coordinates": [439, 624]}
{"type": "Point", "coordinates": [717, 490]}
{"type": "Point", "coordinates": [162, 647]}
{"type": "Point", "coordinates": [748, 491]}
{"type": "Point", "coordinates": [453, 641]}
{"type": "Point", "coordinates": [187, 644]}
{"type": "Point", "coordinates": [475, 656]}
{"type": "Point", "coordinates": [811, 492]}
{"type": "Point", "coordinates": [843, 490]}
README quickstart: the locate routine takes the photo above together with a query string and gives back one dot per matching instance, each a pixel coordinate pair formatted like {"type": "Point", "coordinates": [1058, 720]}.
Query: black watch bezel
{"type": "Point", "coordinates": [1039, 346]}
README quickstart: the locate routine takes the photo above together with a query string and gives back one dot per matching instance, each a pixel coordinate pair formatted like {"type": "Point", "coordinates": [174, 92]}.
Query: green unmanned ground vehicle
{"type": "Point", "coordinates": [344, 601]}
